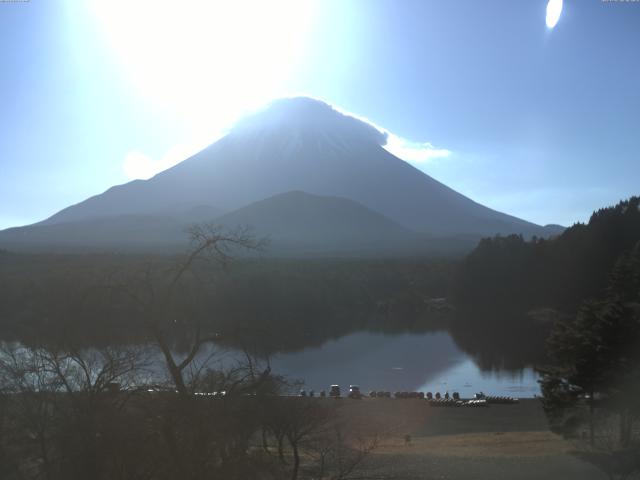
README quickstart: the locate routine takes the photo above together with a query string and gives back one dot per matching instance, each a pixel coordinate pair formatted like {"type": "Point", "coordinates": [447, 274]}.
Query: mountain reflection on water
{"type": "Point", "coordinates": [400, 362]}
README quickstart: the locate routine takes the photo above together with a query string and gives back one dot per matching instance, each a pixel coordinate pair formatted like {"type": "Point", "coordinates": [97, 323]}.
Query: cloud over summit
{"type": "Point", "coordinates": [308, 112]}
{"type": "Point", "coordinates": [297, 113]}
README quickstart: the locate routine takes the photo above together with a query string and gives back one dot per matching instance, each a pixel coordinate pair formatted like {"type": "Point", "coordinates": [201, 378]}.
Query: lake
{"type": "Point", "coordinates": [378, 361]}
{"type": "Point", "coordinates": [400, 362]}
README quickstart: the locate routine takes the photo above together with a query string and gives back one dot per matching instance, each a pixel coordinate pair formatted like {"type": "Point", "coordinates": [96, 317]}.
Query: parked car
{"type": "Point", "coordinates": [354, 392]}
{"type": "Point", "coordinates": [335, 391]}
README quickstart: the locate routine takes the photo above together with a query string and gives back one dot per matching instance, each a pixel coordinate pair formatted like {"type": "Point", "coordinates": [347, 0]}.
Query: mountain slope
{"type": "Point", "coordinates": [305, 145]}
{"type": "Point", "coordinates": [124, 231]}
{"type": "Point", "coordinates": [296, 223]}
{"type": "Point", "coordinates": [299, 222]}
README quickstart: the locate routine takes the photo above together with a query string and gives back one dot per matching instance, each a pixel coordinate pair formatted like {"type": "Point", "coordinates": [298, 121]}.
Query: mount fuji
{"type": "Point", "coordinates": [299, 171]}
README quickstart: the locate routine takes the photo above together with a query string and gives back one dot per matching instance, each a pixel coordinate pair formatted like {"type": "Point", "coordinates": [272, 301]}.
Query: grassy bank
{"type": "Point", "coordinates": [496, 442]}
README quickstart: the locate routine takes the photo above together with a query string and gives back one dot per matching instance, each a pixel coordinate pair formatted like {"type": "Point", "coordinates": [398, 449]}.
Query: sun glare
{"type": "Point", "coordinates": [554, 10]}
{"type": "Point", "coordinates": [203, 61]}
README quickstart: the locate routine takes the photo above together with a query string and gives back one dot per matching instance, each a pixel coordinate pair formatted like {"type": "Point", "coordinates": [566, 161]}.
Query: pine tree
{"type": "Point", "coordinates": [596, 353]}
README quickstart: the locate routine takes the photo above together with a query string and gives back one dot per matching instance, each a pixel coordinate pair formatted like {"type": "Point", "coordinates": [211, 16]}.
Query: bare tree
{"type": "Point", "coordinates": [298, 419]}
{"type": "Point", "coordinates": [29, 396]}
{"type": "Point", "coordinates": [167, 301]}
{"type": "Point", "coordinates": [339, 454]}
{"type": "Point", "coordinates": [60, 401]}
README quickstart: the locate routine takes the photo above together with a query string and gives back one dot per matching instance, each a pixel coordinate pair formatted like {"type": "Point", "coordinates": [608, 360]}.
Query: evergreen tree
{"type": "Point", "coordinates": [596, 353]}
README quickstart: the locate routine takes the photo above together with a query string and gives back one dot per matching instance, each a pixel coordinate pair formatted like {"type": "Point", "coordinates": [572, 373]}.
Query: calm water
{"type": "Point", "coordinates": [403, 362]}
{"type": "Point", "coordinates": [377, 361]}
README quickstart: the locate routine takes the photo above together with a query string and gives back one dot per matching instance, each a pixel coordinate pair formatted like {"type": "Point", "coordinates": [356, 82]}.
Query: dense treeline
{"type": "Point", "coordinates": [518, 275]}
{"type": "Point", "coordinates": [270, 304]}
{"type": "Point", "coordinates": [591, 384]}
{"type": "Point", "coordinates": [596, 352]}
{"type": "Point", "coordinates": [510, 291]}
{"type": "Point", "coordinates": [579, 294]}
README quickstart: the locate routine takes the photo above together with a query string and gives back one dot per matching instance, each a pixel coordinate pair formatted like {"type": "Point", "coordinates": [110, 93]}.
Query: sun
{"type": "Point", "coordinates": [554, 10]}
{"type": "Point", "coordinates": [206, 62]}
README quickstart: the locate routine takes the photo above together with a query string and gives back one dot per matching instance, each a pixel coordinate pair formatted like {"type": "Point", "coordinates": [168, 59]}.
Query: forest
{"type": "Point", "coordinates": [582, 289]}
{"type": "Point", "coordinates": [288, 304]}
{"type": "Point", "coordinates": [517, 275]}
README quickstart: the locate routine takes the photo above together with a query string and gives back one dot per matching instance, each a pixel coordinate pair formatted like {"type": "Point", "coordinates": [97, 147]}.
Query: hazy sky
{"type": "Point", "coordinates": [542, 124]}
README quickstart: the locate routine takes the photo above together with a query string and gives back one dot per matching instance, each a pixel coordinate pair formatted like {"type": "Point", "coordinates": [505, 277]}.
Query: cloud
{"type": "Point", "coordinates": [407, 150]}
{"type": "Point", "coordinates": [140, 166]}
{"type": "Point", "coordinates": [414, 152]}
{"type": "Point", "coordinates": [303, 110]}
{"type": "Point", "coordinates": [309, 109]}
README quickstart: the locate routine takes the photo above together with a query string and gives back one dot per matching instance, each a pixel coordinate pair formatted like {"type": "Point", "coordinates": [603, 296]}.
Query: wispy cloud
{"type": "Point", "coordinates": [407, 150]}
{"type": "Point", "coordinates": [140, 166]}
{"type": "Point", "coordinates": [414, 152]}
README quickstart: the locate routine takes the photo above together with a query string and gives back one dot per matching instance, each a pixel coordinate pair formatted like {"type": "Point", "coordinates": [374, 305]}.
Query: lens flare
{"type": "Point", "coordinates": [554, 10]}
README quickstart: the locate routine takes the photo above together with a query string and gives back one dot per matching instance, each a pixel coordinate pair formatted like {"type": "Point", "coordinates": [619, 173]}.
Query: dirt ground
{"type": "Point", "coordinates": [496, 442]}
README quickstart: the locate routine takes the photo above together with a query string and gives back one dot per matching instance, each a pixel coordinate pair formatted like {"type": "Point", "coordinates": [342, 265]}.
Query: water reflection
{"type": "Point", "coordinates": [375, 361]}
{"type": "Point", "coordinates": [423, 362]}
{"type": "Point", "coordinates": [467, 379]}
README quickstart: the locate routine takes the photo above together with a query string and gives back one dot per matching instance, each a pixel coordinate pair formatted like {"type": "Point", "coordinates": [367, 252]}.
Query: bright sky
{"type": "Point", "coordinates": [531, 108]}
